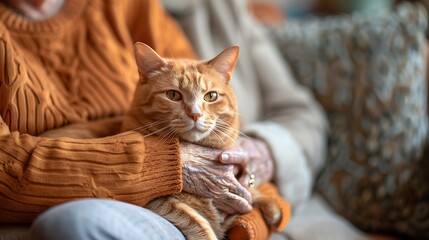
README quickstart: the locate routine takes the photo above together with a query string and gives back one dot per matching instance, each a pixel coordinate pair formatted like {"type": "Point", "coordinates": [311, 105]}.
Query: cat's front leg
{"type": "Point", "coordinates": [178, 210]}
{"type": "Point", "coordinates": [269, 208]}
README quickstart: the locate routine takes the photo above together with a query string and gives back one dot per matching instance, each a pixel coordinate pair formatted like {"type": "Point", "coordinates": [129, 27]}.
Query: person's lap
{"type": "Point", "coordinates": [102, 219]}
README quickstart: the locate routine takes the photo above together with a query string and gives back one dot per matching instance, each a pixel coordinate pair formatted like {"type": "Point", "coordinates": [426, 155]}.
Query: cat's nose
{"type": "Point", "coordinates": [195, 115]}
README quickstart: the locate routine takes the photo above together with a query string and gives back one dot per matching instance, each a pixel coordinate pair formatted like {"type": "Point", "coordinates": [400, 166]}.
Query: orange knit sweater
{"type": "Point", "coordinates": [76, 67]}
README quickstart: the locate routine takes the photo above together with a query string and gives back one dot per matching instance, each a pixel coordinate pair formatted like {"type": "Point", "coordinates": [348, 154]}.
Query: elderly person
{"type": "Point", "coordinates": [68, 64]}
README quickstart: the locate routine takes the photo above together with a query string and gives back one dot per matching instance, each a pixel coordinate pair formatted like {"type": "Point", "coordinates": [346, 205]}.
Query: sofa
{"type": "Point", "coordinates": [368, 71]}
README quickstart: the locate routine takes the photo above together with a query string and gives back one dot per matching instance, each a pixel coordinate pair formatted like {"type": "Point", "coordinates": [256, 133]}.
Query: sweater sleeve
{"type": "Point", "coordinates": [37, 173]}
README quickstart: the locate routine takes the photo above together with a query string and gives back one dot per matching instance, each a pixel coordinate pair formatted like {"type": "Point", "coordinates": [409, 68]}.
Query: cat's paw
{"type": "Point", "coordinates": [271, 212]}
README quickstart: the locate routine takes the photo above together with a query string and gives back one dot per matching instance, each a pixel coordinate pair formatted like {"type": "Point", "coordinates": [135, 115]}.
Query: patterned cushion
{"type": "Point", "coordinates": [368, 72]}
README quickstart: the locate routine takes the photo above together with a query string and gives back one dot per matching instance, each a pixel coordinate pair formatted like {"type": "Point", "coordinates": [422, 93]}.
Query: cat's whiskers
{"type": "Point", "coordinates": [142, 128]}
{"type": "Point", "coordinates": [165, 136]}
{"type": "Point", "coordinates": [229, 137]}
{"type": "Point", "coordinates": [179, 124]}
{"type": "Point", "coordinates": [178, 120]}
{"type": "Point", "coordinates": [150, 125]}
{"type": "Point", "coordinates": [226, 126]}
{"type": "Point", "coordinates": [207, 124]}
{"type": "Point", "coordinates": [155, 132]}
{"type": "Point", "coordinates": [214, 133]}
{"type": "Point", "coordinates": [237, 113]}
{"type": "Point", "coordinates": [172, 132]}
{"type": "Point", "coordinates": [228, 113]}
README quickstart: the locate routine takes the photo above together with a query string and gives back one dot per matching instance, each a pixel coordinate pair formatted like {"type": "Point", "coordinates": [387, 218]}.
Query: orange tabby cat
{"type": "Point", "coordinates": [191, 100]}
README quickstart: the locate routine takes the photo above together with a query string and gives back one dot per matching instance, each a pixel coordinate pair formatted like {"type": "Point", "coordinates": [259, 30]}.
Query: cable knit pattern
{"type": "Point", "coordinates": [76, 67]}
{"type": "Point", "coordinates": [82, 76]}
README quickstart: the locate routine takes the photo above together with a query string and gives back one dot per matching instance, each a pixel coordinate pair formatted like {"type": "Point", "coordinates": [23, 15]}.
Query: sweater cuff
{"type": "Point", "coordinates": [163, 161]}
{"type": "Point", "coordinates": [291, 172]}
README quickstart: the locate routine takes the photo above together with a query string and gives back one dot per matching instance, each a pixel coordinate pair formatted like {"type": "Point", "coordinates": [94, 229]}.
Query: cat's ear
{"type": "Point", "coordinates": [147, 59]}
{"type": "Point", "coordinates": [225, 62]}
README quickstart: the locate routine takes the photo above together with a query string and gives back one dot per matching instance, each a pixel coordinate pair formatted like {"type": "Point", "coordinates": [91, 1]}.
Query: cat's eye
{"type": "Point", "coordinates": [211, 96]}
{"type": "Point", "coordinates": [174, 95]}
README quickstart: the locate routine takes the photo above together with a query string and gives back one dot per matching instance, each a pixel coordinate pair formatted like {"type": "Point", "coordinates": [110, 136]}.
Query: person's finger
{"type": "Point", "coordinates": [241, 191]}
{"type": "Point", "coordinates": [238, 203]}
{"type": "Point", "coordinates": [235, 198]}
{"type": "Point", "coordinates": [230, 157]}
{"type": "Point", "coordinates": [232, 204]}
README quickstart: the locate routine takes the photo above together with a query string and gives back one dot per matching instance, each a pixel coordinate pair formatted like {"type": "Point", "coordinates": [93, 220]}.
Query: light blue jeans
{"type": "Point", "coordinates": [102, 219]}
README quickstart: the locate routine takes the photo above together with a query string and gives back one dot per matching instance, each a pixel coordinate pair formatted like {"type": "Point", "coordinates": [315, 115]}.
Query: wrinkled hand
{"type": "Point", "coordinates": [205, 176]}
{"type": "Point", "coordinates": [252, 156]}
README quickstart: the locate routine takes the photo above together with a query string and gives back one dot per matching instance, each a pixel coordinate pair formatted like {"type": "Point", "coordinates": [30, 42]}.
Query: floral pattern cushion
{"type": "Point", "coordinates": [368, 72]}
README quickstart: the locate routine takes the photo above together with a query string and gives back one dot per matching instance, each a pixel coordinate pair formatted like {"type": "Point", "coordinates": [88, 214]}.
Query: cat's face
{"type": "Point", "coordinates": [192, 100]}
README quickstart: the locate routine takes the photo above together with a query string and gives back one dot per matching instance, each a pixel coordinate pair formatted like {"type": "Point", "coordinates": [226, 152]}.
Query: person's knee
{"type": "Point", "coordinates": [73, 220]}
{"type": "Point", "coordinates": [102, 219]}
